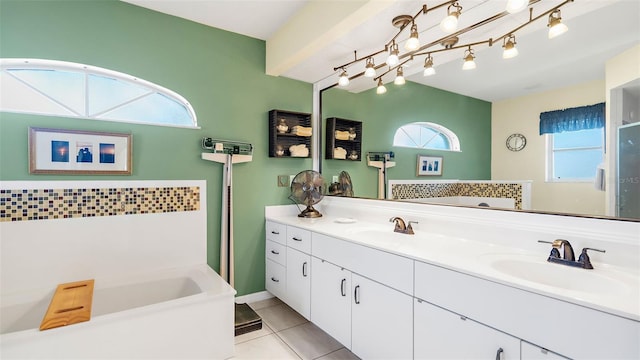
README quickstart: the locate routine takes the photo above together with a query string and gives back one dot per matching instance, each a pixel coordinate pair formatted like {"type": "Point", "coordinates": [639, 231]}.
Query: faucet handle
{"type": "Point", "coordinates": [584, 258]}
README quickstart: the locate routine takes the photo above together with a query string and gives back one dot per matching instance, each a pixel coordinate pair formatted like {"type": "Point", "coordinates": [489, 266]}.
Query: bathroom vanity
{"type": "Point", "coordinates": [470, 283]}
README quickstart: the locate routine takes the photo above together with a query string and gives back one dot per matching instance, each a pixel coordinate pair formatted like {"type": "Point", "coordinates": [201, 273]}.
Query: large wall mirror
{"type": "Point", "coordinates": [483, 127]}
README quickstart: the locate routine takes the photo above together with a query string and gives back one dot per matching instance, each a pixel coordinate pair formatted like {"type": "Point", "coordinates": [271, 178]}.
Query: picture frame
{"type": "Point", "coordinates": [79, 152]}
{"type": "Point", "coordinates": [429, 165]}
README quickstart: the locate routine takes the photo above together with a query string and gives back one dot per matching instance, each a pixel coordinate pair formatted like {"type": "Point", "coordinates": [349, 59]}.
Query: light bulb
{"type": "Point", "coordinates": [381, 89]}
{"type": "Point", "coordinates": [413, 43]}
{"type": "Point", "coordinates": [428, 66]}
{"type": "Point", "coordinates": [469, 62]}
{"type": "Point", "coordinates": [450, 23]}
{"type": "Point", "coordinates": [370, 70]}
{"type": "Point", "coordinates": [399, 77]}
{"type": "Point", "coordinates": [514, 6]}
{"type": "Point", "coordinates": [510, 50]}
{"type": "Point", "coordinates": [556, 27]}
{"type": "Point", "coordinates": [344, 79]}
{"type": "Point", "coordinates": [393, 59]}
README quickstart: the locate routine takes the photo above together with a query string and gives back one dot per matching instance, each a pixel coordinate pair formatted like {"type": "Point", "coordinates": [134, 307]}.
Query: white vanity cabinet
{"type": "Point", "coordinates": [288, 265]}
{"type": "Point", "coordinates": [356, 300]}
{"type": "Point", "coordinates": [441, 334]}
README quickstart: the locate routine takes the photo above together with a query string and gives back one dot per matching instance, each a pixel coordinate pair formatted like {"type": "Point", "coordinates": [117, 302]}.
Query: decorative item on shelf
{"type": "Point", "coordinates": [339, 153]}
{"type": "Point", "coordinates": [282, 126]}
{"type": "Point", "coordinates": [353, 155]}
{"type": "Point", "coordinates": [352, 133]}
{"type": "Point", "coordinates": [279, 150]}
{"type": "Point", "coordinates": [301, 131]}
{"type": "Point", "coordinates": [392, 61]}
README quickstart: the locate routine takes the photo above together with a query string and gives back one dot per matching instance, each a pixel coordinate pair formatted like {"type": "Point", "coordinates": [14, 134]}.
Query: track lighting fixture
{"type": "Point", "coordinates": [469, 62]}
{"type": "Point", "coordinates": [514, 6]}
{"type": "Point", "coordinates": [370, 68]}
{"type": "Point", "coordinates": [509, 45]}
{"type": "Point", "coordinates": [413, 43]}
{"type": "Point", "coordinates": [556, 27]}
{"type": "Point", "coordinates": [343, 80]}
{"type": "Point", "coordinates": [450, 23]}
{"type": "Point", "coordinates": [381, 89]}
{"type": "Point", "coordinates": [395, 61]}
{"type": "Point", "coordinates": [393, 58]}
{"type": "Point", "coordinates": [428, 66]}
{"type": "Point", "coordinates": [399, 77]}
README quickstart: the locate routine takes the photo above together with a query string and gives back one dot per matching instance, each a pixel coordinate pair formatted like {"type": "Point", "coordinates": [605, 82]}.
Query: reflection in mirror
{"type": "Point", "coordinates": [483, 128]}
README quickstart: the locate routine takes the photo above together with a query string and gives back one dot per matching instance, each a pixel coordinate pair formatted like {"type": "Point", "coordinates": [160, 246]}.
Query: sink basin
{"type": "Point", "coordinates": [538, 270]}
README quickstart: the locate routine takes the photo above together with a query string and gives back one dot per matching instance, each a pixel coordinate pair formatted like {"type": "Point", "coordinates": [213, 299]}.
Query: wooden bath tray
{"type": "Point", "coordinates": [71, 303]}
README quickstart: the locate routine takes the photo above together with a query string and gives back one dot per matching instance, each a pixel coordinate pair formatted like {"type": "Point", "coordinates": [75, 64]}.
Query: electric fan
{"type": "Point", "coordinates": [307, 188]}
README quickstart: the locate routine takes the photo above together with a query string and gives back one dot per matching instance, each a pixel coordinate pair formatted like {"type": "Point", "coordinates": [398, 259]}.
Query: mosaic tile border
{"type": "Point", "coordinates": [491, 190]}
{"type": "Point", "coordinates": [45, 204]}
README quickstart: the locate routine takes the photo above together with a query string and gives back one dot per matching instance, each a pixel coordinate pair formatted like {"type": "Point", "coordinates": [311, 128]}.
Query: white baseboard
{"type": "Point", "coordinates": [249, 298]}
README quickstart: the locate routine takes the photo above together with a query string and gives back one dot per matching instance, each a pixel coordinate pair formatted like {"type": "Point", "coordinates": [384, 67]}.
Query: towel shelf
{"type": "Point", "coordinates": [281, 138]}
{"type": "Point", "coordinates": [352, 145]}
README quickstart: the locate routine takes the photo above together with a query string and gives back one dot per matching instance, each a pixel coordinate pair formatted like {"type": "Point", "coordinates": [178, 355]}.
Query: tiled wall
{"type": "Point", "coordinates": [494, 190]}
{"type": "Point", "coordinates": [43, 204]}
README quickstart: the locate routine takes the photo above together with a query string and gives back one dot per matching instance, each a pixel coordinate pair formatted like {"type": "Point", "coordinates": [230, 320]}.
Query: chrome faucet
{"type": "Point", "coordinates": [401, 226]}
{"type": "Point", "coordinates": [568, 257]}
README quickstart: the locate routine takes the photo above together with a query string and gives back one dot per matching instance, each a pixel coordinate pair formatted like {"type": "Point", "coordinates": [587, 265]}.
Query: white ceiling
{"type": "Point", "coordinates": [598, 31]}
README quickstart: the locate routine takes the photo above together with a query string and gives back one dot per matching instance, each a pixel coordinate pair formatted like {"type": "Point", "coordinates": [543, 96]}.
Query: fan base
{"type": "Point", "coordinates": [310, 212]}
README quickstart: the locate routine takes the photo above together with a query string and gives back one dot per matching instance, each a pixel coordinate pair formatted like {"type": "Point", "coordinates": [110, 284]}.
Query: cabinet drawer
{"type": "Point", "coordinates": [276, 252]}
{"type": "Point", "coordinates": [275, 279]}
{"type": "Point", "coordinates": [276, 232]}
{"type": "Point", "coordinates": [389, 269]}
{"type": "Point", "coordinates": [299, 239]}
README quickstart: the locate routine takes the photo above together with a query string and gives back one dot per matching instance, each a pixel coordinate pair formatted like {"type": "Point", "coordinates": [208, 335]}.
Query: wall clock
{"type": "Point", "coordinates": [516, 142]}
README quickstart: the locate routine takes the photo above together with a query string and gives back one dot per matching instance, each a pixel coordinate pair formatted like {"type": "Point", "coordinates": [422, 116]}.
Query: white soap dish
{"type": "Point", "coordinates": [345, 220]}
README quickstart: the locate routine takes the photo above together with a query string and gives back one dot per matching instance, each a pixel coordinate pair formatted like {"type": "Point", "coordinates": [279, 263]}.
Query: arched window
{"type": "Point", "coordinates": [426, 135]}
{"type": "Point", "coordinates": [58, 88]}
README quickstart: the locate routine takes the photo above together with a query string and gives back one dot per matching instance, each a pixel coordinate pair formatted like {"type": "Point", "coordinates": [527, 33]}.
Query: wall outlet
{"type": "Point", "coordinates": [283, 180]}
{"type": "Point", "coordinates": [334, 179]}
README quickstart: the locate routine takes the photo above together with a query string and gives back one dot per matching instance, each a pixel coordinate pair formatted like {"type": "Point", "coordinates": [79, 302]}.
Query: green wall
{"type": "Point", "coordinates": [382, 115]}
{"type": "Point", "coordinates": [220, 73]}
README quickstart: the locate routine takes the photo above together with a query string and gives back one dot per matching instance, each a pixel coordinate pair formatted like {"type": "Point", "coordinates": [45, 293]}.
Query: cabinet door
{"type": "Point", "coordinates": [299, 282]}
{"type": "Point", "coordinates": [331, 300]}
{"type": "Point", "coordinates": [381, 321]}
{"type": "Point", "coordinates": [531, 352]}
{"type": "Point", "coordinates": [441, 334]}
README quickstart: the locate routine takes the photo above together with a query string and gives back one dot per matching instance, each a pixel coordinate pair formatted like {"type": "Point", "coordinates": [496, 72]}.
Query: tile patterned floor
{"type": "Point", "coordinates": [285, 334]}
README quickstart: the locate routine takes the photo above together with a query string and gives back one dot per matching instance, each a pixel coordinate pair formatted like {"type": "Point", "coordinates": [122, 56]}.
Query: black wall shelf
{"type": "Point", "coordinates": [283, 140]}
{"type": "Point", "coordinates": [352, 146]}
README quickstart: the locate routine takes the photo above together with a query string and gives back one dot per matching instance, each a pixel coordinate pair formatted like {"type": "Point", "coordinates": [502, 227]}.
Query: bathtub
{"type": "Point", "coordinates": [177, 313]}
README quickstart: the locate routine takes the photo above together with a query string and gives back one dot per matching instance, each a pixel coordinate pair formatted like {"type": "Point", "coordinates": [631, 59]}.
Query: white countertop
{"type": "Point", "coordinates": [608, 288]}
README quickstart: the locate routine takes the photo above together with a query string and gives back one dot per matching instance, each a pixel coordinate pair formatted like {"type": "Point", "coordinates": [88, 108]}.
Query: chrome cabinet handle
{"type": "Point", "coordinates": [500, 354]}
{"type": "Point", "coordinates": [275, 252]}
{"type": "Point", "coordinates": [275, 232]}
{"type": "Point", "coordinates": [274, 279]}
{"type": "Point", "coordinates": [356, 294]}
{"type": "Point", "coordinates": [343, 289]}
{"type": "Point", "coordinates": [304, 269]}
{"type": "Point", "coordinates": [296, 239]}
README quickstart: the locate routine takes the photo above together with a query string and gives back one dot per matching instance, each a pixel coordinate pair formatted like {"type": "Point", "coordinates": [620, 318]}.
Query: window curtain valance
{"type": "Point", "coordinates": [572, 119]}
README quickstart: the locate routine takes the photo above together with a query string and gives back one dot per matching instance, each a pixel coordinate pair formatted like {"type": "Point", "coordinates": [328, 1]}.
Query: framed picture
{"type": "Point", "coordinates": [429, 165]}
{"type": "Point", "coordinates": [59, 151]}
